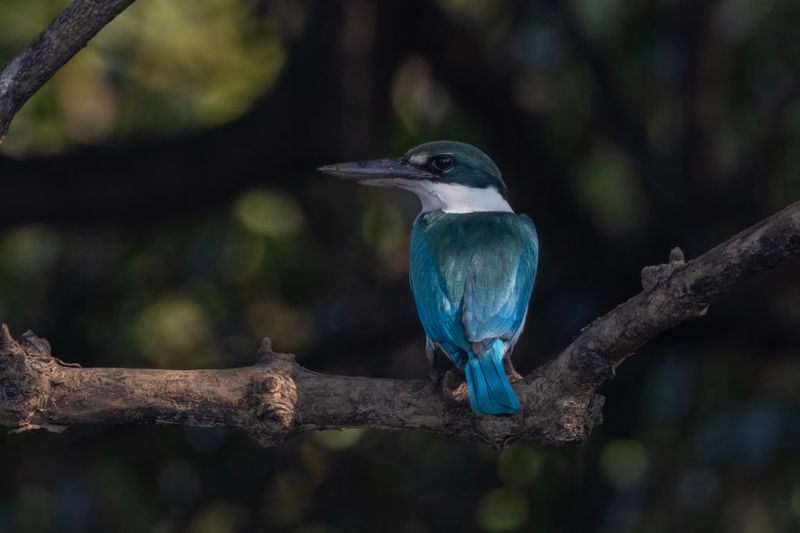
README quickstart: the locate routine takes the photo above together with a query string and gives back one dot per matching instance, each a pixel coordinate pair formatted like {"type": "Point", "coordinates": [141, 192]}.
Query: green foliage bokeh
{"type": "Point", "coordinates": [701, 427]}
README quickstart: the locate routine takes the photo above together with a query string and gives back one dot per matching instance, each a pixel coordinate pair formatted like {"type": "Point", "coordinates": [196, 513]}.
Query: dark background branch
{"type": "Point", "coordinates": [50, 50]}
{"type": "Point", "coordinates": [289, 128]}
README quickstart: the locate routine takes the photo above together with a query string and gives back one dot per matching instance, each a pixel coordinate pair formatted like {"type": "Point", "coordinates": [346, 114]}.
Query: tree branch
{"type": "Point", "coordinates": [277, 398]}
{"type": "Point", "coordinates": [50, 50]}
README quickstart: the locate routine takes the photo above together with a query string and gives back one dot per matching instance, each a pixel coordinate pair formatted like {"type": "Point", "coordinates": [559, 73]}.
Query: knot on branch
{"type": "Point", "coordinates": [454, 389]}
{"type": "Point", "coordinates": [271, 397]}
{"type": "Point", "coordinates": [24, 369]}
{"type": "Point", "coordinates": [655, 274]}
{"type": "Point", "coordinates": [573, 419]}
{"type": "Point", "coordinates": [559, 409]}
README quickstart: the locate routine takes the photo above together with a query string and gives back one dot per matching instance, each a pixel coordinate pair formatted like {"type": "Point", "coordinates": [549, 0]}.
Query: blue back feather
{"type": "Point", "coordinates": [472, 276]}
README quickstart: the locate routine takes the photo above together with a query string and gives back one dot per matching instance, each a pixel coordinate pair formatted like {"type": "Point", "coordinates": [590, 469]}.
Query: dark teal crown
{"type": "Point", "coordinates": [457, 163]}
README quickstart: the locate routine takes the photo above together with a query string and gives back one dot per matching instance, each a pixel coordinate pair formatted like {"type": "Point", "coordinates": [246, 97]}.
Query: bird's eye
{"type": "Point", "coordinates": [443, 163]}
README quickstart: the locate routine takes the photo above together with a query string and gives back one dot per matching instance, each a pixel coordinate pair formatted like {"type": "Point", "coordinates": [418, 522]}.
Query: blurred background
{"type": "Point", "coordinates": [161, 210]}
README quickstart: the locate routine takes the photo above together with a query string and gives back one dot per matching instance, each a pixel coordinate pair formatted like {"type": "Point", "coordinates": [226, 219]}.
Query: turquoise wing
{"type": "Point", "coordinates": [438, 310]}
{"type": "Point", "coordinates": [472, 276]}
{"type": "Point", "coordinates": [498, 289]}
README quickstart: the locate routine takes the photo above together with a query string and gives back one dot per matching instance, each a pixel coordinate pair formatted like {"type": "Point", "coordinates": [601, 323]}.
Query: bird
{"type": "Point", "coordinates": [473, 261]}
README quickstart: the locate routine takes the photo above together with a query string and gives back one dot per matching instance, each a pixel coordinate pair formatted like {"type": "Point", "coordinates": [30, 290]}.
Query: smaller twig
{"type": "Point", "coordinates": [50, 50]}
{"type": "Point", "coordinates": [655, 274]}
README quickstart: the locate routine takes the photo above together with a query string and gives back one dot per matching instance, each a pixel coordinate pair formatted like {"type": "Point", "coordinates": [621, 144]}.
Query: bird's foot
{"type": "Point", "coordinates": [511, 372]}
{"type": "Point", "coordinates": [435, 377]}
{"type": "Point", "coordinates": [514, 376]}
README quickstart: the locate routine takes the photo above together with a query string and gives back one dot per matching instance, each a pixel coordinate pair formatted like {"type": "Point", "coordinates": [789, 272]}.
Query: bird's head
{"type": "Point", "coordinates": [451, 176]}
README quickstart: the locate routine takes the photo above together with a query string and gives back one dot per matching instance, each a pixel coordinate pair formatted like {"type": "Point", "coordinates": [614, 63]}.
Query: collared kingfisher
{"type": "Point", "coordinates": [472, 265]}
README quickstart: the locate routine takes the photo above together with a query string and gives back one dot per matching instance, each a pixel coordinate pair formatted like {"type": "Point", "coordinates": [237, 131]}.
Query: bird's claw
{"type": "Point", "coordinates": [514, 376]}
{"type": "Point", "coordinates": [435, 377]}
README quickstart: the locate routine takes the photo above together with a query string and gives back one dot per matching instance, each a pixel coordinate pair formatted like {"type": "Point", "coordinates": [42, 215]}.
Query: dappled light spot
{"type": "Point", "coordinates": [610, 190]}
{"type": "Point", "coordinates": [540, 46]}
{"type": "Point", "coordinates": [22, 19]}
{"type": "Point", "coordinates": [30, 250]}
{"type": "Point", "coordinates": [315, 528]}
{"type": "Point", "coordinates": [623, 463]}
{"type": "Point", "coordinates": [314, 461]}
{"type": "Point", "coordinates": [792, 122]}
{"type": "Point", "coordinates": [287, 499]}
{"type": "Point", "coordinates": [385, 231]}
{"type": "Point", "coordinates": [532, 93]}
{"type": "Point", "coordinates": [180, 483]}
{"type": "Point", "coordinates": [32, 507]}
{"type": "Point", "coordinates": [750, 514]}
{"type": "Point", "coordinates": [206, 293]}
{"type": "Point", "coordinates": [206, 440]}
{"type": "Point", "coordinates": [36, 128]}
{"type": "Point", "coordinates": [382, 227]}
{"type": "Point", "coordinates": [165, 526]}
{"type": "Point", "coordinates": [268, 213]}
{"type": "Point", "coordinates": [73, 501]}
{"type": "Point", "coordinates": [359, 28]}
{"type": "Point", "coordinates": [289, 327]}
{"type": "Point", "coordinates": [601, 17]}
{"type": "Point", "coordinates": [519, 464]}
{"type": "Point", "coordinates": [698, 488]}
{"type": "Point", "coordinates": [146, 268]}
{"type": "Point", "coordinates": [87, 98]}
{"type": "Point", "coordinates": [734, 20]}
{"type": "Point", "coordinates": [339, 439]}
{"type": "Point", "coordinates": [418, 100]}
{"type": "Point", "coordinates": [120, 491]}
{"type": "Point", "coordinates": [794, 500]}
{"type": "Point", "coordinates": [663, 124]}
{"type": "Point", "coordinates": [478, 10]}
{"type": "Point", "coordinates": [152, 70]}
{"type": "Point", "coordinates": [176, 332]}
{"type": "Point", "coordinates": [750, 435]}
{"type": "Point", "coordinates": [242, 256]}
{"type": "Point", "coordinates": [503, 510]}
{"type": "Point", "coordinates": [220, 517]}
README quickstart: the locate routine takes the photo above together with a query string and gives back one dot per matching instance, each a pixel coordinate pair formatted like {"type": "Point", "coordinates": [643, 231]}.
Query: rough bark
{"type": "Point", "coordinates": [50, 50]}
{"type": "Point", "coordinates": [276, 398]}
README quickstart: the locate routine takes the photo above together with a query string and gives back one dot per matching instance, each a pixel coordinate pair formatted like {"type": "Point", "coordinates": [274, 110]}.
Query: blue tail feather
{"type": "Point", "coordinates": [490, 392]}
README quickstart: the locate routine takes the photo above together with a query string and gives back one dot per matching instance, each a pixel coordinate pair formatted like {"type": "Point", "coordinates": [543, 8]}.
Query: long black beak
{"type": "Point", "coordinates": [378, 169]}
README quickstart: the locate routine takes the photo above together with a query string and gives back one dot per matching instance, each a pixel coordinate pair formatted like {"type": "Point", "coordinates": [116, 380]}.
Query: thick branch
{"type": "Point", "coordinates": [271, 400]}
{"type": "Point", "coordinates": [277, 398]}
{"type": "Point", "coordinates": [674, 293]}
{"type": "Point", "coordinates": [50, 50]}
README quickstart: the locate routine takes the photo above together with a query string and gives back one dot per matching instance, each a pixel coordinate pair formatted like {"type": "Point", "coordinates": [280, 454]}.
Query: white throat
{"type": "Point", "coordinates": [452, 198]}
